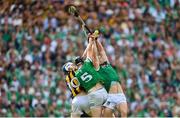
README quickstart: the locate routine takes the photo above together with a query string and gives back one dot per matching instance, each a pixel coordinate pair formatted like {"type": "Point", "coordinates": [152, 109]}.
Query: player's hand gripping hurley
{"type": "Point", "coordinates": [73, 11]}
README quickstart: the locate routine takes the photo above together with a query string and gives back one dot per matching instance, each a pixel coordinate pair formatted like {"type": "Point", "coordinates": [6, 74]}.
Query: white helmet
{"type": "Point", "coordinates": [66, 67]}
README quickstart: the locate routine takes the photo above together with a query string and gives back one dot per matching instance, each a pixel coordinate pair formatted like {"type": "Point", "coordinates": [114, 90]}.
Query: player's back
{"type": "Point", "coordinates": [87, 75]}
{"type": "Point", "coordinates": [73, 84]}
{"type": "Point", "coordinates": [108, 74]}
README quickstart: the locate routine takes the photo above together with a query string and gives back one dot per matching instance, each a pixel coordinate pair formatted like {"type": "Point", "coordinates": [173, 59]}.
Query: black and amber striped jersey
{"type": "Point", "coordinates": [73, 84]}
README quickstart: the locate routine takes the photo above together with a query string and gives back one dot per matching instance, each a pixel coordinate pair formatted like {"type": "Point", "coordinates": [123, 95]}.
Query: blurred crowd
{"type": "Point", "coordinates": [141, 38]}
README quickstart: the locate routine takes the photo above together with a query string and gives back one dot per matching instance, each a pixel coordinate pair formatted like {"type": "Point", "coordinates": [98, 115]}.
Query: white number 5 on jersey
{"type": "Point", "coordinates": [86, 77]}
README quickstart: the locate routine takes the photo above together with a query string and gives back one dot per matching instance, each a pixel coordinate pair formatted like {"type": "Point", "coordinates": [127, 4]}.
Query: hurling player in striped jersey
{"type": "Point", "coordinates": [80, 105]}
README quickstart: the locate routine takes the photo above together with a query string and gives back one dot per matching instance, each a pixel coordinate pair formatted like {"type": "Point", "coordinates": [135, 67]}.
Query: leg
{"type": "Point", "coordinates": [108, 112]}
{"type": "Point", "coordinates": [96, 111]}
{"type": "Point", "coordinates": [119, 98]}
{"type": "Point", "coordinates": [76, 109]}
{"type": "Point", "coordinates": [96, 100]}
{"type": "Point", "coordinates": [109, 107]}
{"type": "Point", "coordinates": [123, 109]}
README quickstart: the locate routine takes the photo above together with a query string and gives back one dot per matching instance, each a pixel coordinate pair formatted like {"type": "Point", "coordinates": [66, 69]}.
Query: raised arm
{"type": "Point", "coordinates": [85, 53]}
{"type": "Point", "coordinates": [94, 35]}
{"type": "Point", "coordinates": [95, 56]}
{"type": "Point", "coordinates": [87, 48]}
{"type": "Point", "coordinates": [92, 53]}
{"type": "Point", "coordinates": [102, 54]}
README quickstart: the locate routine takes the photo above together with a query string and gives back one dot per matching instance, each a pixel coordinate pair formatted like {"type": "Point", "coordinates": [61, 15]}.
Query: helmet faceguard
{"type": "Point", "coordinates": [66, 67]}
{"type": "Point", "coordinates": [78, 60]}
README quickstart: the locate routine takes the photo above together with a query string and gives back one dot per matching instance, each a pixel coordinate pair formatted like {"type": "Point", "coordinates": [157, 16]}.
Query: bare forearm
{"type": "Point", "coordinates": [85, 53]}
{"type": "Point", "coordinates": [101, 53]}
{"type": "Point", "coordinates": [88, 51]}
{"type": "Point", "coordinates": [95, 55]}
{"type": "Point", "coordinates": [99, 46]}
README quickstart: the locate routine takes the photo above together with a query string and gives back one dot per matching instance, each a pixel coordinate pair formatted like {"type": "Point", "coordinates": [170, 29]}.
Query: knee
{"type": "Point", "coordinates": [107, 112]}
{"type": "Point", "coordinates": [124, 110]}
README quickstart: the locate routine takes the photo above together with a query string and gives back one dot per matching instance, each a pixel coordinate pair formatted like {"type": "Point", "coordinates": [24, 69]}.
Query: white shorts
{"type": "Point", "coordinates": [97, 98]}
{"type": "Point", "coordinates": [80, 104]}
{"type": "Point", "coordinates": [114, 99]}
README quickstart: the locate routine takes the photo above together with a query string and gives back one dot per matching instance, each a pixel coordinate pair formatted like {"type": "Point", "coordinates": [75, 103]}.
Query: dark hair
{"type": "Point", "coordinates": [78, 60]}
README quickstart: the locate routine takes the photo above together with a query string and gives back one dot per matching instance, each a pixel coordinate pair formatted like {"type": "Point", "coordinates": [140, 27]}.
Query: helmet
{"type": "Point", "coordinates": [78, 60]}
{"type": "Point", "coordinates": [66, 67]}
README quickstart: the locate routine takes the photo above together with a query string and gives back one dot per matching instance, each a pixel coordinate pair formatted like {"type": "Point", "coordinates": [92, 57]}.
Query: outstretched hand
{"type": "Point", "coordinates": [93, 36]}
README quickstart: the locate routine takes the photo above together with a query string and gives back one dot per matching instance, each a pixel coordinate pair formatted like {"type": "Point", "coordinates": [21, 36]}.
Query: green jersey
{"type": "Point", "coordinates": [108, 74]}
{"type": "Point", "coordinates": [87, 75]}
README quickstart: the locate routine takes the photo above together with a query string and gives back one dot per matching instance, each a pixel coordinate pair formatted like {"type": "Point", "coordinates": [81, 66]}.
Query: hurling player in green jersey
{"type": "Point", "coordinates": [90, 79]}
{"type": "Point", "coordinates": [116, 98]}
